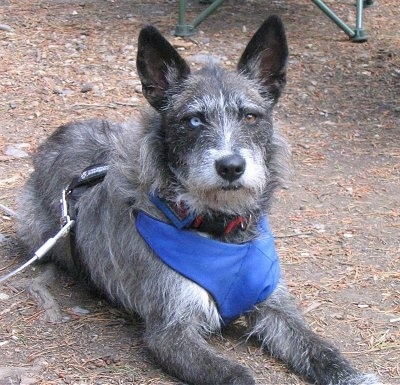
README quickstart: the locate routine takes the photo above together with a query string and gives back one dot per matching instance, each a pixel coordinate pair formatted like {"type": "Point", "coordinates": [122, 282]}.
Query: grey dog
{"type": "Point", "coordinates": [185, 192]}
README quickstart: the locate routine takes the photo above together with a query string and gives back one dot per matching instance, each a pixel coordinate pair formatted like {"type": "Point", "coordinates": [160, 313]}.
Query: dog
{"type": "Point", "coordinates": [169, 214]}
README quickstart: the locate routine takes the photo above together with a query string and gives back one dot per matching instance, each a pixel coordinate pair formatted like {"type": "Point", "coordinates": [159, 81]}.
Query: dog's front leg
{"type": "Point", "coordinates": [183, 352]}
{"type": "Point", "coordinates": [279, 326]}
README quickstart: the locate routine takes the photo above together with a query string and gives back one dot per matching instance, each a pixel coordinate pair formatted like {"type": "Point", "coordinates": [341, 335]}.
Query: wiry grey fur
{"type": "Point", "coordinates": [197, 120]}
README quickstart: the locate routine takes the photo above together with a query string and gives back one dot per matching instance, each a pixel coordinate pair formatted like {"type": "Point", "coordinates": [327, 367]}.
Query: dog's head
{"type": "Point", "coordinates": [217, 135]}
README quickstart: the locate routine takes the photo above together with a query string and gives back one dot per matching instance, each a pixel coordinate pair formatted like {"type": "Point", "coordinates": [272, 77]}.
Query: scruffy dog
{"type": "Point", "coordinates": [175, 230]}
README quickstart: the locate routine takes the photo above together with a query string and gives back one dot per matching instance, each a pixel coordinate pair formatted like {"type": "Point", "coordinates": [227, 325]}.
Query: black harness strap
{"type": "Point", "coordinates": [89, 177]}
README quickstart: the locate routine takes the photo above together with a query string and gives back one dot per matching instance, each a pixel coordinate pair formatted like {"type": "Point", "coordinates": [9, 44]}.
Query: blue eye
{"type": "Point", "coordinates": [195, 122]}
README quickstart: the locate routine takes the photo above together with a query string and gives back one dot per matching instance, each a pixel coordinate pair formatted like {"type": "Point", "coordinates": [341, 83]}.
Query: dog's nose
{"type": "Point", "coordinates": [231, 167]}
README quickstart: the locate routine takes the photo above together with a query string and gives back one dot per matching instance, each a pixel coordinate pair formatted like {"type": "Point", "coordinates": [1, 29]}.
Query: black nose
{"type": "Point", "coordinates": [231, 167]}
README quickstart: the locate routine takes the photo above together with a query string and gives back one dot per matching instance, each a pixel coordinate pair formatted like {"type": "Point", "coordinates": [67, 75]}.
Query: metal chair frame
{"type": "Point", "coordinates": [357, 34]}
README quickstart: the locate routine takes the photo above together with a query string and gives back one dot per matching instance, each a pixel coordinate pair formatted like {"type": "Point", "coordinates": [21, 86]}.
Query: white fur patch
{"type": "Point", "coordinates": [193, 299]}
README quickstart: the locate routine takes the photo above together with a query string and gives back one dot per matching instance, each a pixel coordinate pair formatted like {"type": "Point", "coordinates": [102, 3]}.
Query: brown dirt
{"type": "Point", "coordinates": [337, 225]}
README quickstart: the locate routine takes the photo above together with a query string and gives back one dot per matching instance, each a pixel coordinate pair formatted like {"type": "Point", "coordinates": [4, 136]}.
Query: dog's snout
{"type": "Point", "coordinates": [231, 167]}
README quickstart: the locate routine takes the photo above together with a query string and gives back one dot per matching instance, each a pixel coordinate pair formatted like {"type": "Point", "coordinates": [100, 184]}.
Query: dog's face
{"type": "Point", "coordinates": [217, 126]}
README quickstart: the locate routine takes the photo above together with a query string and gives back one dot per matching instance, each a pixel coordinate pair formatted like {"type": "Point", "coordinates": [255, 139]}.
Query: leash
{"type": "Point", "coordinates": [42, 250]}
{"type": "Point", "coordinates": [89, 177]}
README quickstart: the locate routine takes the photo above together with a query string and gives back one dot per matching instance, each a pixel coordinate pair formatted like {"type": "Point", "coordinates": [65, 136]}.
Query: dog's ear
{"type": "Point", "coordinates": [159, 66]}
{"type": "Point", "coordinates": [265, 57]}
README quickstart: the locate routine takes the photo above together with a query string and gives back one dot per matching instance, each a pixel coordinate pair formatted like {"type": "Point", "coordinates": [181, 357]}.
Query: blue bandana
{"type": "Point", "coordinates": [238, 276]}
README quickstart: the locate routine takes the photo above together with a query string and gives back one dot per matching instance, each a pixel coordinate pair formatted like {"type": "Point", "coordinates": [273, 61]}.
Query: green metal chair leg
{"type": "Point", "coordinates": [358, 34]}
{"type": "Point", "coordinates": [184, 29]}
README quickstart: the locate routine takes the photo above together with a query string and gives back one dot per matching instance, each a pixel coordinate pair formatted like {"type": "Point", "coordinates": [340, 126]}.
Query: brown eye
{"type": "Point", "coordinates": [250, 118]}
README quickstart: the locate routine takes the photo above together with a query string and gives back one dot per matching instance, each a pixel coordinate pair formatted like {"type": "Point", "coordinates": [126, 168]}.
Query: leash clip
{"type": "Point", "coordinates": [65, 217]}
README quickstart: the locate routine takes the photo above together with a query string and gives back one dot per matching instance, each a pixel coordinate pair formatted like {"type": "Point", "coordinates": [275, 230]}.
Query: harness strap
{"type": "Point", "coordinates": [89, 177]}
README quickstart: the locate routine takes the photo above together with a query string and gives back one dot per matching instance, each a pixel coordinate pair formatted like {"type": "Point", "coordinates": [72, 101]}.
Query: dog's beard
{"type": "Point", "coordinates": [221, 200]}
{"type": "Point", "coordinates": [232, 187]}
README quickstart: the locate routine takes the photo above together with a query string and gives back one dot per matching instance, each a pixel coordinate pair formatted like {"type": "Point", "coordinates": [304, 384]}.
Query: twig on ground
{"type": "Point", "coordinates": [8, 211]}
{"type": "Point", "coordinates": [293, 235]}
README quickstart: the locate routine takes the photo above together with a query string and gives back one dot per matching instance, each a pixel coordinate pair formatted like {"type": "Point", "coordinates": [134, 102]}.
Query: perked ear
{"type": "Point", "coordinates": [265, 57]}
{"type": "Point", "coordinates": [159, 66]}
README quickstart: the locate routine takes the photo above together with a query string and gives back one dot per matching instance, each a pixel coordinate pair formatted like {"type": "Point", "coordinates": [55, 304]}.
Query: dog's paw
{"type": "Point", "coordinates": [364, 379]}
{"type": "Point", "coordinates": [240, 376]}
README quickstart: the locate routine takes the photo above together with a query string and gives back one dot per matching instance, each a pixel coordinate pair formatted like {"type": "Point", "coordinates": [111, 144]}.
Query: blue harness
{"type": "Point", "coordinates": [238, 276]}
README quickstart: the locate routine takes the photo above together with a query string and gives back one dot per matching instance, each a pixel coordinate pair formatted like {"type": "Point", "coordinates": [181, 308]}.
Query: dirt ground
{"type": "Point", "coordinates": [337, 226]}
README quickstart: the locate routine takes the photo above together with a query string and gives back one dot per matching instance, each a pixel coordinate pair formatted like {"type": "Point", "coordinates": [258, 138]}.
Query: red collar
{"type": "Point", "coordinates": [181, 218]}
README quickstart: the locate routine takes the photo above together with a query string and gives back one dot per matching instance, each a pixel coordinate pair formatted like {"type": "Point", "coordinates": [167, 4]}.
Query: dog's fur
{"type": "Point", "coordinates": [196, 120]}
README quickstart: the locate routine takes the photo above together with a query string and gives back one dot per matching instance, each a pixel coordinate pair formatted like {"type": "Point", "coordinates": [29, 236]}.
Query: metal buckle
{"type": "Point", "coordinates": [65, 217]}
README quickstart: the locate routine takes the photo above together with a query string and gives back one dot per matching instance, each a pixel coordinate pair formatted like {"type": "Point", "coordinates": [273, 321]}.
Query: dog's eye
{"type": "Point", "coordinates": [250, 118]}
{"type": "Point", "coordinates": [194, 122]}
